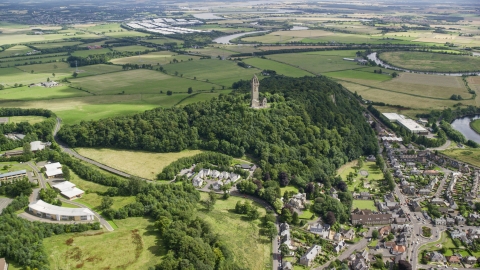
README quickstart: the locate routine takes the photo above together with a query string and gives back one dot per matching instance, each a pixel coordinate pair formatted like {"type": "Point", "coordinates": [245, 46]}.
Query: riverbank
{"type": "Point", "coordinates": [475, 126]}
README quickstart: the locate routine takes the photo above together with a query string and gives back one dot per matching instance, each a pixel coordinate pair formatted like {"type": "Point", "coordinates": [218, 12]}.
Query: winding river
{"type": "Point", "coordinates": [373, 57]}
{"type": "Point", "coordinates": [226, 39]}
{"type": "Point", "coordinates": [463, 125]}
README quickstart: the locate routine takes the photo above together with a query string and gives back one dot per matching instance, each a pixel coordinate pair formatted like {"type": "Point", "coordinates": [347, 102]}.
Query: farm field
{"type": "Point", "coordinates": [143, 164]}
{"type": "Point", "coordinates": [213, 52]}
{"type": "Point", "coordinates": [40, 93]}
{"type": "Point", "coordinates": [163, 40]}
{"type": "Point", "coordinates": [85, 53]}
{"type": "Point", "coordinates": [63, 35]}
{"type": "Point", "coordinates": [315, 63]}
{"type": "Point", "coordinates": [52, 45]}
{"type": "Point", "coordinates": [425, 61]}
{"type": "Point", "coordinates": [154, 58]}
{"type": "Point", "coordinates": [10, 76]}
{"type": "Point", "coordinates": [251, 249]}
{"type": "Point", "coordinates": [15, 50]}
{"type": "Point", "coordinates": [364, 204]}
{"type": "Point", "coordinates": [358, 74]}
{"type": "Point", "coordinates": [216, 71]}
{"type": "Point", "coordinates": [107, 250]}
{"type": "Point", "coordinates": [280, 68]}
{"type": "Point", "coordinates": [140, 81]}
{"type": "Point", "coordinates": [30, 119]}
{"type": "Point", "coordinates": [133, 48]}
{"type": "Point", "coordinates": [20, 61]}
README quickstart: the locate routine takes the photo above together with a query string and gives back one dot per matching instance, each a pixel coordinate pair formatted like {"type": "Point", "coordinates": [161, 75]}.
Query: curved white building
{"type": "Point", "coordinates": [49, 211]}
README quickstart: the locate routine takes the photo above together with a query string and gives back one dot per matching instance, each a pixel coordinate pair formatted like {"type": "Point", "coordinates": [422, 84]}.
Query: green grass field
{"type": "Point", "coordinates": [251, 249]}
{"type": "Point", "coordinates": [30, 119]}
{"type": "Point", "coordinates": [107, 250]}
{"type": "Point", "coordinates": [133, 48]}
{"type": "Point", "coordinates": [15, 50]}
{"type": "Point", "coordinates": [358, 74]}
{"type": "Point", "coordinates": [51, 45]}
{"type": "Point", "coordinates": [163, 40]}
{"type": "Point", "coordinates": [475, 125]}
{"type": "Point", "coordinates": [425, 61]}
{"type": "Point", "coordinates": [216, 71]}
{"type": "Point", "coordinates": [140, 81]}
{"type": "Point", "coordinates": [364, 204]}
{"type": "Point", "coordinates": [315, 63]}
{"type": "Point", "coordinates": [154, 58]}
{"type": "Point", "coordinates": [143, 164]}
{"type": "Point", "coordinates": [40, 93]}
{"type": "Point", "coordinates": [13, 166]}
{"type": "Point", "coordinates": [280, 68]}
{"type": "Point", "coordinates": [374, 174]}
{"type": "Point", "coordinates": [468, 155]}
{"type": "Point", "coordinates": [10, 76]}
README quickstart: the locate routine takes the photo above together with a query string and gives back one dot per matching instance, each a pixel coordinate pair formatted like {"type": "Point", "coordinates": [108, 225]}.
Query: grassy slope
{"type": "Point", "coordinates": [468, 155]}
{"type": "Point", "coordinates": [143, 164]}
{"type": "Point", "coordinates": [251, 249]}
{"type": "Point", "coordinates": [475, 125]}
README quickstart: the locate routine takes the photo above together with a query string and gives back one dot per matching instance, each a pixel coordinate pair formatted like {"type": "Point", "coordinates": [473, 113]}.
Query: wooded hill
{"type": "Point", "coordinates": [312, 127]}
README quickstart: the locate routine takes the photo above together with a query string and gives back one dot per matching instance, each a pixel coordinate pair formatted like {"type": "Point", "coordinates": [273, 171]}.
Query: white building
{"type": "Point", "coordinates": [308, 258]}
{"type": "Point", "coordinates": [69, 190]}
{"type": "Point", "coordinates": [53, 170]}
{"type": "Point", "coordinates": [45, 210]}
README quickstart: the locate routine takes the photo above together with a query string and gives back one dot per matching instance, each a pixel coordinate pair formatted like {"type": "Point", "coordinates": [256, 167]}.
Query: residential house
{"type": "Point", "coordinates": [424, 191]}
{"type": "Point", "coordinates": [389, 245]}
{"type": "Point", "coordinates": [440, 221]}
{"type": "Point", "coordinates": [400, 220]}
{"type": "Point", "coordinates": [339, 246]}
{"type": "Point", "coordinates": [287, 266]}
{"type": "Point", "coordinates": [473, 217]}
{"type": "Point", "coordinates": [308, 258]}
{"type": "Point", "coordinates": [470, 260]}
{"type": "Point", "coordinates": [437, 257]}
{"type": "Point", "coordinates": [384, 231]}
{"type": "Point", "coordinates": [348, 234]}
{"type": "Point", "coordinates": [416, 206]}
{"type": "Point", "coordinates": [473, 233]}
{"type": "Point", "coordinates": [337, 237]}
{"type": "Point", "coordinates": [364, 196]}
{"type": "Point", "coordinates": [438, 201]}
{"type": "Point", "coordinates": [389, 197]}
{"type": "Point", "coordinates": [285, 234]}
{"type": "Point", "coordinates": [360, 261]}
{"type": "Point", "coordinates": [367, 217]}
{"type": "Point", "coordinates": [322, 230]}
{"type": "Point", "coordinates": [430, 172]}
{"type": "Point", "coordinates": [453, 259]}
{"type": "Point", "coordinates": [450, 221]}
{"type": "Point", "coordinates": [457, 234]}
{"type": "Point", "coordinates": [298, 201]}
{"type": "Point", "coordinates": [460, 220]}
{"type": "Point", "coordinates": [215, 174]}
{"type": "Point", "coordinates": [398, 249]}
{"type": "Point", "coordinates": [217, 185]}
{"type": "Point", "coordinates": [409, 190]}
{"type": "Point", "coordinates": [197, 181]}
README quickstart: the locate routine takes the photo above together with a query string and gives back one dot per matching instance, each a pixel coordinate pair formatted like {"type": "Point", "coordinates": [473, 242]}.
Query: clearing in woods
{"type": "Point", "coordinates": [251, 249]}
{"type": "Point", "coordinates": [30, 119]}
{"type": "Point", "coordinates": [143, 164]}
{"type": "Point", "coordinates": [425, 61]}
{"type": "Point", "coordinates": [134, 245]}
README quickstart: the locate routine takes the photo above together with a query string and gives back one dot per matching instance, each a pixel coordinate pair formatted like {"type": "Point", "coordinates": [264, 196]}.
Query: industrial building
{"type": "Point", "coordinates": [49, 211]}
{"type": "Point", "coordinates": [409, 124]}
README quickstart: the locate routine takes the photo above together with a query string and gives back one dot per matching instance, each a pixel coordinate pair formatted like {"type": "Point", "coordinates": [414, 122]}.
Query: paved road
{"type": "Point", "coordinates": [443, 147]}
{"type": "Point", "coordinates": [105, 224]}
{"type": "Point", "coordinates": [4, 202]}
{"type": "Point", "coordinates": [72, 152]}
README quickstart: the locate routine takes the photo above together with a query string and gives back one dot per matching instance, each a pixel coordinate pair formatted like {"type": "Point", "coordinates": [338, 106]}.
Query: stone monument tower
{"type": "Point", "coordinates": [255, 85]}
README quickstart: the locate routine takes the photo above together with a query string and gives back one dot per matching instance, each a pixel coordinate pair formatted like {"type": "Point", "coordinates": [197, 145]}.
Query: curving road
{"type": "Point", "coordinates": [104, 223]}
{"type": "Point", "coordinates": [72, 152]}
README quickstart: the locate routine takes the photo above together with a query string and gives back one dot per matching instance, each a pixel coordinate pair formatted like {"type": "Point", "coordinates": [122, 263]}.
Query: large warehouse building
{"type": "Point", "coordinates": [49, 211]}
{"type": "Point", "coordinates": [409, 124]}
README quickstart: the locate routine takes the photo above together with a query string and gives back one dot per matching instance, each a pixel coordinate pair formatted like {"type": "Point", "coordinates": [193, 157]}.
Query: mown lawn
{"type": "Point", "coordinates": [364, 204]}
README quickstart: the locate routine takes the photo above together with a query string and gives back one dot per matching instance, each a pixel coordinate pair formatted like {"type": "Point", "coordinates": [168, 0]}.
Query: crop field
{"type": "Point", "coordinates": [20, 61]}
{"type": "Point", "coordinates": [216, 71]}
{"type": "Point", "coordinates": [85, 53]}
{"type": "Point", "coordinates": [40, 93]}
{"type": "Point", "coordinates": [10, 76]}
{"type": "Point", "coordinates": [143, 164]}
{"type": "Point", "coordinates": [240, 48]}
{"type": "Point", "coordinates": [251, 249]}
{"type": "Point", "coordinates": [16, 38]}
{"type": "Point", "coordinates": [163, 40]}
{"type": "Point", "coordinates": [133, 48]}
{"type": "Point", "coordinates": [358, 74]}
{"type": "Point", "coordinates": [107, 250]}
{"type": "Point", "coordinates": [474, 83]}
{"type": "Point", "coordinates": [424, 61]}
{"type": "Point", "coordinates": [213, 52]}
{"type": "Point", "coordinates": [431, 80]}
{"type": "Point", "coordinates": [15, 50]}
{"type": "Point", "coordinates": [154, 58]}
{"type": "Point", "coordinates": [30, 119]}
{"type": "Point", "coordinates": [99, 28]}
{"type": "Point", "coordinates": [280, 68]}
{"type": "Point", "coordinates": [138, 81]}
{"type": "Point", "coordinates": [315, 63]}
{"type": "Point", "coordinates": [51, 45]}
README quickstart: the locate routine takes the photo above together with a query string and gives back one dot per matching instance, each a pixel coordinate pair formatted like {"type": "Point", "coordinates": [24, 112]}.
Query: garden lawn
{"type": "Point", "coordinates": [252, 250]}
{"type": "Point", "coordinates": [107, 250]}
{"type": "Point", "coordinates": [143, 164]}
{"type": "Point", "coordinates": [364, 204]}
{"type": "Point", "coordinates": [289, 189]}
